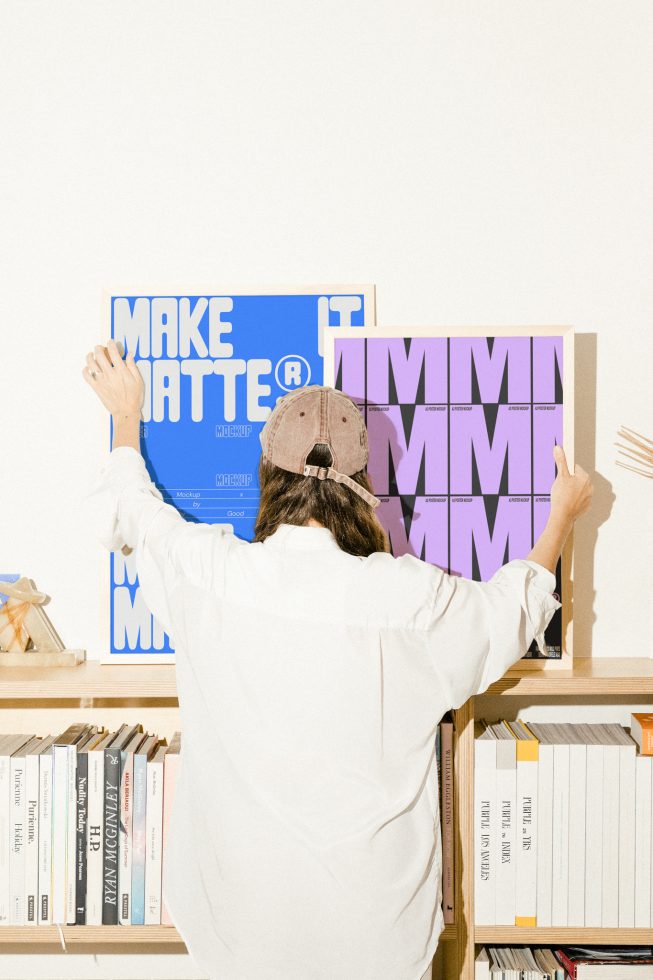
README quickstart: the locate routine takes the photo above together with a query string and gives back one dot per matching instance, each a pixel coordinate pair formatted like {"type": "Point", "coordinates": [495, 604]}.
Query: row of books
{"type": "Point", "coordinates": [562, 826]}
{"type": "Point", "coordinates": [565, 963]}
{"type": "Point", "coordinates": [83, 826]}
{"type": "Point", "coordinates": [445, 763]}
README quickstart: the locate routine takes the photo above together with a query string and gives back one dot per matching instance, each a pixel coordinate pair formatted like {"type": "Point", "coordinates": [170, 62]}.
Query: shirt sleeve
{"type": "Point", "coordinates": [125, 511]}
{"type": "Point", "coordinates": [477, 630]}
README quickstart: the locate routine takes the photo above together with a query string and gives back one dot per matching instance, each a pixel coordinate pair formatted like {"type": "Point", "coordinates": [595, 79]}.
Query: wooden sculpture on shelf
{"type": "Point", "coordinates": [27, 637]}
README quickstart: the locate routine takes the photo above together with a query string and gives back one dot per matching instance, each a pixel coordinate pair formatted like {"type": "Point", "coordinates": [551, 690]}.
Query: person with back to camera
{"type": "Point", "coordinates": [313, 668]}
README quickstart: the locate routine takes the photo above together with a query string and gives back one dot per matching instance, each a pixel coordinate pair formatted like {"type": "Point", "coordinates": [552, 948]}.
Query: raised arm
{"type": "Point", "coordinates": [571, 496]}
{"type": "Point", "coordinates": [477, 630]}
{"type": "Point", "coordinates": [119, 386]}
{"type": "Point", "coordinates": [126, 511]}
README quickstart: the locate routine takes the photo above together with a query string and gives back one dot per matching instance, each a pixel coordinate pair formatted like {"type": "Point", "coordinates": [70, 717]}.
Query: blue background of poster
{"type": "Point", "coordinates": [208, 472]}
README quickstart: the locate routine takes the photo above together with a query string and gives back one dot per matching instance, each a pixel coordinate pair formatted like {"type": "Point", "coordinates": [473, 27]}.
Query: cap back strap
{"type": "Point", "coordinates": [327, 472]}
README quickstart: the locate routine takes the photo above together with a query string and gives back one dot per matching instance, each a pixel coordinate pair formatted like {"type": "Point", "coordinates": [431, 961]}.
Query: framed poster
{"type": "Point", "coordinates": [214, 365]}
{"type": "Point", "coordinates": [461, 423]}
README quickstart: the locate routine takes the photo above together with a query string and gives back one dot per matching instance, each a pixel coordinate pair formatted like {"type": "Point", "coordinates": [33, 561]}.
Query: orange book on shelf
{"type": "Point", "coordinates": [641, 729]}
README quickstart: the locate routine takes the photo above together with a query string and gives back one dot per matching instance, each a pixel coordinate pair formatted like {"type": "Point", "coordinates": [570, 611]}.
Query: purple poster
{"type": "Point", "coordinates": [461, 432]}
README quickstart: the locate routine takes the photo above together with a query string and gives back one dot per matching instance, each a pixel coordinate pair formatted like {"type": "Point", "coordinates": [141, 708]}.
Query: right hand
{"type": "Point", "coordinates": [571, 493]}
{"type": "Point", "coordinates": [118, 383]}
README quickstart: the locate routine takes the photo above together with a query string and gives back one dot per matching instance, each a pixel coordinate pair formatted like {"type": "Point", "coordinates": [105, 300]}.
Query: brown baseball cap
{"type": "Point", "coordinates": [312, 414]}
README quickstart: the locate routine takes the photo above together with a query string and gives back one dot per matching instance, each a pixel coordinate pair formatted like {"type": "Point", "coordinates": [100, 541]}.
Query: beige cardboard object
{"type": "Point", "coordinates": [27, 637]}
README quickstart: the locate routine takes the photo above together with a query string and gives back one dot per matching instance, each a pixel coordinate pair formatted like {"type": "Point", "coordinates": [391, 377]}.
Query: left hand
{"type": "Point", "coordinates": [118, 383]}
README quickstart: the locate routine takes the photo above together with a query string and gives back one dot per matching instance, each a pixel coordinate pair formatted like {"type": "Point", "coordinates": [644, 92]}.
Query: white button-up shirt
{"type": "Point", "coordinates": [305, 838]}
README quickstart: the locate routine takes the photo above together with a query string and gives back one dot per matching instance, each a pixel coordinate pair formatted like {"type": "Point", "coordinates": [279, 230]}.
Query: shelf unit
{"type": "Point", "coordinates": [94, 691]}
{"type": "Point", "coordinates": [32, 698]}
{"type": "Point", "coordinates": [611, 679]}
{"type": "Point", "coordinates": [47, 700]}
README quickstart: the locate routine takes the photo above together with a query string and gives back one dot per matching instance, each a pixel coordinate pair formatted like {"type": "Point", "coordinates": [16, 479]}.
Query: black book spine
{"type": "Point", "coordinates": [110, 853]}
{"type": "Point", "coordinates": [82, 811]}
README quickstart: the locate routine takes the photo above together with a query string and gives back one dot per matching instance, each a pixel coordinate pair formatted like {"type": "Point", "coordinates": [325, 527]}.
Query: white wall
{"type": "Point", "coordinates": [481, 162]}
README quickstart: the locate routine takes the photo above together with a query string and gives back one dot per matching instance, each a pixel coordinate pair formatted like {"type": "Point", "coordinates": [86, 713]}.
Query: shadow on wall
{"type": "Point", "coordinates": [586, 531]}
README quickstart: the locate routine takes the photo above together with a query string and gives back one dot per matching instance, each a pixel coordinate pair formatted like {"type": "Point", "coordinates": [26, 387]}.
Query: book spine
{"type": "Point", "coordinates": [170, 773]}
{"type": "Point", "coordinates": [138, 840]}
{"type": "Point", "coordinates": [45, 839]}
{"type": "Point", "coordinates": [71, 843]}
{"type": "Point", "coordinates": [4, 839]}
{"type": "Point", "coordinates": [643, 832]}
{"type": "Point", "coordinates": [59, 832]}
{"type": "Point", "coordinates": [577, 804]}
{"type": "Point", "coordinates": [95, 838]}
{"type": "Point", "coordinates": [32, 839]}
{"type": "Point", "coordinates": [610, 870]}
{"type": "Point", "coordinates": [125, 838]}
{"type": "Point", "coordinates": [484, 831]}
{"type": "Point", "coordinates": [544, 834]}
{"type": "Point", "coordinates": [627, 807]}
{"type": "Point", "coordinates": [506, 781]}
{"type": "Point", "coordinates": [17, 851]}
{"type": "Point", "coordinates": [81, 839]}
{"type": "Point", "coordinates": [594, 836]}
{"type": "Point", "coordinates": [560, 850]}
{"type": "Point", "coordinates": [526, 845]}
{"type": "Point", "coordinates": [447, 817]}
{"type": "Point", "coordinates": [648, 740]}
{"type": "Point", "coordinates": [153, 843]}
{"type": "Point", "coordinates": [111, 813]}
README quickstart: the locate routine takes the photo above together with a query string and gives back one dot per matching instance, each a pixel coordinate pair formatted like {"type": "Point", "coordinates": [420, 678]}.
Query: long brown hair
{"type": "Point", "coordinates": [290, 498]}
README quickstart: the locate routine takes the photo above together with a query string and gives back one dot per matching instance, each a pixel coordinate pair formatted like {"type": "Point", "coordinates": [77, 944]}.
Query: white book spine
{"type": "Point", "coordinates": [594, 836]}
{"type": "Point", "coordinates": [5, 777]}
{"type": "Point", "coordinates": [125, 841]}
{"type": "Point", "coordinates": [577, 798]}
{"type": "Point", "coordinates": [94, 838]}
{"type": "Point", "coordinates": [627, 807]}
{"type": "Point", "coordinates": [484, 831]}
{"type": "Point", "coordinates": [31, 839]}
{"type": "Point", "coordinates": [59, 833]}
{"type": "Point", "coordinates": [526, 856]}
{"type": "Point", "coordinates": [71, 842]}
{"type": "Point", "coordinates": [560, 851]}
{"type": "Point", "coordinates": [544, 833]}
{"type": "Point", "coordinates": [17, 814]}
{"type": "Point", "coordinates": [506, 781]}
{"type": "Point", "coordinates": [45, 839]}
{"type": "Point", "coordinates": [610, 879]}
{"type": "Point", "coordinates": [643, 833]}
{"type": "Point", "coordinates": [153, 842]}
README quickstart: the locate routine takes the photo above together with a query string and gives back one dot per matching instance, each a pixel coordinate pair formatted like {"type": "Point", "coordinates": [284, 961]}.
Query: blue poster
{"type": "Point", "coordinates": [214, 366]}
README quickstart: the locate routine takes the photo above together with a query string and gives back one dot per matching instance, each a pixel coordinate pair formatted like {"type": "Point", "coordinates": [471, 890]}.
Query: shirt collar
{"type": "Point", "coordinates": [303, 538]}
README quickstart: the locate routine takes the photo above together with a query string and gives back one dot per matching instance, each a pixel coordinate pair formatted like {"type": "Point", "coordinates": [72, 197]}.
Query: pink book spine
{"type": "Point", "coordinates": [170, 767]}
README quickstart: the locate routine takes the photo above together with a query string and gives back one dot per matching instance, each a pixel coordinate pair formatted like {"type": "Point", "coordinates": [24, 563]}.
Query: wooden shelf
{"type": "Point", "coordinates": [615, 676]}
{"type": "Point", "coordinates": [39, 936]}
{"type": "Point", "coordinates": [90, 680]}
{"type": "Point", "coordinates": [575, 935]}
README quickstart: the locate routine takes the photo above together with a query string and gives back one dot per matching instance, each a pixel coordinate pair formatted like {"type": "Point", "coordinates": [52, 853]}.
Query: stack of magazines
{"type": "Point", "coordinates": [84, 818]}
{"type": "Point", "coordinates": [565, 963]}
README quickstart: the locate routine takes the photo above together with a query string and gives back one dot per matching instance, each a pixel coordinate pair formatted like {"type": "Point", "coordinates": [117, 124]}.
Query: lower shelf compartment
{"type": "Point", "coordinates": [561, 935]}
